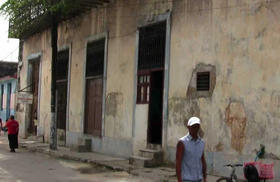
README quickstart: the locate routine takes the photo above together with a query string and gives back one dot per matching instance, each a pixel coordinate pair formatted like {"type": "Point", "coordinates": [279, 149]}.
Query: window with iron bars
{"type": "Point", "coordinates": [62, 65]}
{"type": "Point", "coordinates": [151, 56]}
{"type": "Point", "coordinates": [95, 58]}
{"type": "Point", "coordinates": [203, 81]}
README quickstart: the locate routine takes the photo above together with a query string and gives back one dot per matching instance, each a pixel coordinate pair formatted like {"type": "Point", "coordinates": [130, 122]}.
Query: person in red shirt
{"type": "Point", "coordinates": [12, 126]}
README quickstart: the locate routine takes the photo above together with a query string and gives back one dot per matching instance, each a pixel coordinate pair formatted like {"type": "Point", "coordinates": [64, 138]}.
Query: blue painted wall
{"type": "Point", "coordinates": [5, 112]}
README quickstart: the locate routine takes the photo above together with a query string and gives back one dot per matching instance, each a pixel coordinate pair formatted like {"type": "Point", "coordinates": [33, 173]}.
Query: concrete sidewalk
{"type": "Point", "coordinates": [159, 174]}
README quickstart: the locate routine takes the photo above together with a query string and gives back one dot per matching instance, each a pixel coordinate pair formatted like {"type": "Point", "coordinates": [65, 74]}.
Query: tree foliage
{"type": "Point", "coordinates": [25, 15]}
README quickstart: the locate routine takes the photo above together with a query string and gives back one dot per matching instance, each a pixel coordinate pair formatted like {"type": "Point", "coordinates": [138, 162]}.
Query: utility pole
{"type": "Point", "coordinates": [53, 125]}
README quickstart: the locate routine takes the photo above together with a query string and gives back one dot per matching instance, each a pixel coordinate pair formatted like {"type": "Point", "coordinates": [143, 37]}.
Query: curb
{"type": "Point", "coordinates": [56, 154]}
{"type": "Point", "coordinates": [105, 164]}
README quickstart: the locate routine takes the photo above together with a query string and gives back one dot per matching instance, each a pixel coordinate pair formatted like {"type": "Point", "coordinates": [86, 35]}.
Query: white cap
{"type": "Point", "coordinates": [193, 120]}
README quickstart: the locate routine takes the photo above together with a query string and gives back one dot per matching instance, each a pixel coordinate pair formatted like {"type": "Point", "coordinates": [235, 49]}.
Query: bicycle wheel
{"type": "Point", "coordinates": [224, 179]}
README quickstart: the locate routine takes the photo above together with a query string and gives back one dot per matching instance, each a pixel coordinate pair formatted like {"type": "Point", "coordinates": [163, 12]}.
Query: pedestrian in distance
{"type": "Point", "coordinates": [13, 127]}
{"type": "Point", "coordinates": [1, 126]}
{"type": "Point", "coordinates": [190, 159]}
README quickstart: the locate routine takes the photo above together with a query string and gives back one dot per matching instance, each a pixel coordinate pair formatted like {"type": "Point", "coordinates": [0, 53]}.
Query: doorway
{"type": "Point", "coordinates": [94, 87]}
{"type": "Point", "coordinates": [93, 113]}
{"type": "Point", "coordinates": [150, 81]}
{"type": "Point", "coordinates": [34, 72]}
{"type": "Point", "coordinates": [61, 95]}
{"type": "Point", "coordinates": [155, 108]}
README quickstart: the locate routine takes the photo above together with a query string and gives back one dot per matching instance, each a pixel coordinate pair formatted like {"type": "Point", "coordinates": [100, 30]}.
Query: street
{"type": "Point", "coordinates": [24, 166]}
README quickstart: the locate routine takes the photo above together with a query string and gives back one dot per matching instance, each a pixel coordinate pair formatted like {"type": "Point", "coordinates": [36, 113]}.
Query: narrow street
{"type": "Point", "coordinates": [24, 166]}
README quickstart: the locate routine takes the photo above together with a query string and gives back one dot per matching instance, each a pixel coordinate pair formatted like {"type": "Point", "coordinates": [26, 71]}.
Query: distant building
{"type": "Point", "coordinates": [8, 82]}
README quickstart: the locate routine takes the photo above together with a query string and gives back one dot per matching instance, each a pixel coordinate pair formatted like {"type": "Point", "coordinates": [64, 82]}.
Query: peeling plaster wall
{"type": "Point", "coordinates": [241, 39]}
{"type": "Point", "coordinates": [120, 20]}
{"type": "Point", "coordinates": [39, 43]}
{"type": "Point", "coordinates": [75, 33]}
{"type": "Point", "coordinates": [123, 21]}
{"type": "Point", "coordinates": [141, 125]}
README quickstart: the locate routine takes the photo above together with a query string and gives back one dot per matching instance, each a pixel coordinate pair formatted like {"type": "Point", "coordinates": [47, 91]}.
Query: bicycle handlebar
{"type": "Point", "coordinates": [234, 165]}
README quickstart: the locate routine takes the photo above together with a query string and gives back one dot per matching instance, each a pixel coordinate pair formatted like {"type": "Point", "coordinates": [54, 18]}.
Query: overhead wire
{"type": "Point", "coordinates": [4, 59]}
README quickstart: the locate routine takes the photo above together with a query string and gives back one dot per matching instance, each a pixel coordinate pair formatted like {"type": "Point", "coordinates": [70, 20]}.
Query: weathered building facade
{"type": "Point", "coordinates": [8, 86]}
{"type": "Point", "coordinates": [131, 73]}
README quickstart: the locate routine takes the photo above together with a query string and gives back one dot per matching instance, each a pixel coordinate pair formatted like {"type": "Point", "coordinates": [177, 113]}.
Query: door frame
{"type": "Point", "coordinates": [90, 39]}
{"type": "Point", "coordinates": [63, 48]}
{"type": "Point", "coordinates": [157, 19]}
{"type": "Point", "coordinates": [35, 57]}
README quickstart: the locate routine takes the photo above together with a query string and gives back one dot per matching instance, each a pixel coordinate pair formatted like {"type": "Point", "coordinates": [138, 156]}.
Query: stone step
{"type": "Point", "coordinates": [87, 143]}
{"type": "Point", "coordinates": [150, 153]}
{"type": "Point", "coordinates": [150, 150]}
{"type": "Point", "coordinates": [154, 146]}
{"type": "Point", "coordinates": [139, 161]}
{"type": "Point", "coordinates": [83, 146]}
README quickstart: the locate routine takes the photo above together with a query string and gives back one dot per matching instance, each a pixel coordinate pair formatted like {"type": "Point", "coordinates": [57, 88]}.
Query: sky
{"type": "Point", "coordinates": [8, 47]}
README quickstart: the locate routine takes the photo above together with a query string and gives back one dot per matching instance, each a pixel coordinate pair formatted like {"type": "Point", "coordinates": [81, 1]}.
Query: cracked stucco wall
{"type": "Point", "coordinates": [241, 39]}
{"type": "Point", "coordinates": [120, 20]}
{"type": "Point", "coordinates": [37, 45]}
{"type": "Point", "coordinates": [122, 23]}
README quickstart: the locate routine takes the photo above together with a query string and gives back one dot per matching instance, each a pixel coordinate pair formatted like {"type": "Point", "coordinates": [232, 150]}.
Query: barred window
{"type": "Point", "coordinates": [62, 65]}
{"type": "Point", "coordinates": [95, 58]}
{"type": "Point", "coordinates": [203, 81]}
{"type": "Point", "coordinates": [151, 57]}
{"type": "Point", "coordinates": [152, 46]}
